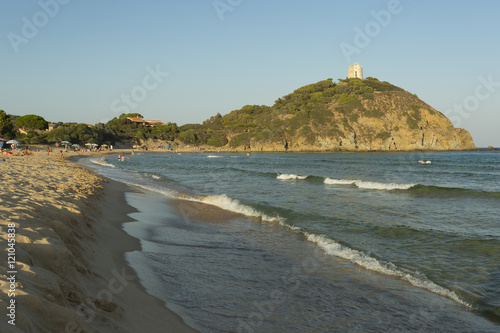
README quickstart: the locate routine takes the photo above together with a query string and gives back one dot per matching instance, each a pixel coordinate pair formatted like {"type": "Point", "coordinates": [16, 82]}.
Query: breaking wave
{"type": "Point", "coordinates": [362, 259]}
{"type": "Point", "coordinates": [235, 206]}
{"type": "Point", "coordinates": [369, 185]}
{"type": "Point", "coordinates": [101, 162]}
{"type": "Point", "coordinates": [285, 176]}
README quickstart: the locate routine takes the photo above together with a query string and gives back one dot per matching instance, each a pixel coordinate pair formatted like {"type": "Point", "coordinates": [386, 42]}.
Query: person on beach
{"type": "Point", "coordinates": [48, 149]}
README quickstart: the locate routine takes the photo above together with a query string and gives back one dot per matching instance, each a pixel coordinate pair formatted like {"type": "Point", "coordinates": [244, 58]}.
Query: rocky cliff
{"type": "Point", "coordinates": [351, 115]}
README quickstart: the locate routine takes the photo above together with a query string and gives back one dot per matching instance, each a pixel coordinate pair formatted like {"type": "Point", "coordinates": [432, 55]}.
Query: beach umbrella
{"type": "Point", "coordinates": [10, 142]}
{"type": "Point", "coordinates": [66, 143]}
{"type": "Point", "coordinates": [104, 145]}
{"type": "Point", "coordinates": [75, 145]}
{"type": "Point", "coordinates": [91, 144]}
{"type": "Point", "coordinates": [3, 139]}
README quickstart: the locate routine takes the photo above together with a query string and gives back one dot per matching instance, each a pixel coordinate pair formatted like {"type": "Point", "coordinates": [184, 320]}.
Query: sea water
{"type": "Point", "coordinates": [345, 242]}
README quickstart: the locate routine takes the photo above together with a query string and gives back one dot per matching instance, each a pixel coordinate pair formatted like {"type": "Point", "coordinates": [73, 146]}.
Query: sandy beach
{"type": "Point", "coordinates": [62, 266]}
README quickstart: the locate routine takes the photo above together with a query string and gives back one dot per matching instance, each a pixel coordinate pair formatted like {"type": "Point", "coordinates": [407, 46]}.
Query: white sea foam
{"type": "Point", "coordinates": [368, 185]}
{"type": "Point", "coordinates": [234, 205]}
{"type": "Point", "coordinates": [101, 162]}
{"type": "Point", "coordinates": [364, 260]}
{"type": "Point", "coordinates": [330, 181]}
{"type": "Point", "coordinates": [214, 156]}
{"type": "Point", "coordinates": [382, 186]}
{"type": "Point", "coordinates": [285, 176]}
{"type": "Point", "coordinates": [153, 176]}
{"type": "Point", "coordinates": [163, 190]}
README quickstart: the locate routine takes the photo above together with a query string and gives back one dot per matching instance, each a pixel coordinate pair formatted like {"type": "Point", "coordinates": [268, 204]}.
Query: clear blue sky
{"type": "Point", "coordinates": [84, 57]}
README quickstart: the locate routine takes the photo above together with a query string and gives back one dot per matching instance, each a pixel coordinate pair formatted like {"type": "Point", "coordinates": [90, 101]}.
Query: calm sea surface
{"type": "Point", "coordinates": [350, 242]}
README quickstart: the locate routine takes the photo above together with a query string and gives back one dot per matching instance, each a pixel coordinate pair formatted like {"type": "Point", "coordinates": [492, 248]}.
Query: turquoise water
{"type": "Point", "coordinates": [328, 242]}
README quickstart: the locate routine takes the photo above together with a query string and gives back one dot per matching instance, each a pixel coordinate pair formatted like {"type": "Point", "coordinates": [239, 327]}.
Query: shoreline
{"type": "Point", "coordinates": [71, 274]}
{"type": "Point", "coordinates": [144, 311]}
{"type": "Point", "coordinates": [289, 151]}
{"type": "Point", "coordinates": [211, 150]}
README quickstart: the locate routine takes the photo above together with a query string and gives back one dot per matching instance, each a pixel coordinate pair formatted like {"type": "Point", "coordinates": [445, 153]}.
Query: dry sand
{"type": "Point", "coordinates": [71, 273]}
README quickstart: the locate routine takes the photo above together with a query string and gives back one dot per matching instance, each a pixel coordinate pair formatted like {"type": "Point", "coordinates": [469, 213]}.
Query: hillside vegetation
{"type": "Point", "coordinates": [350, 115]}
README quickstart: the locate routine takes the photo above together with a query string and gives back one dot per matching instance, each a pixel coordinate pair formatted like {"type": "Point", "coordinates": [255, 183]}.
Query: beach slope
{"type": "Point", "coordinates": [62, 267]}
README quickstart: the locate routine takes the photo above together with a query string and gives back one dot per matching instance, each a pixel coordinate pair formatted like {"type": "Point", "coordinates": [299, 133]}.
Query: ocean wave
{"type": "Point", "coordinates": [152, 175]}
{"type": "Point", "coordinates": [235, 206]}
{"type": "Point", "coordinates": [441, 191]}
{"type": "Point", "coordinates": [414, 188]}
{"type": "Point", "coordinates": [286, 176]}
{"type": "Point", "coordinates": [368, 185]}
{"type": "Point", "coordinates": [382, 186]}
{"type": "Point", "coordinates": [366, 261]}
{"type": "Point", "coordinates": [170, 193]}
{"type": "Point", "coordinates": [222, 201]}
{"type": "Point", "coordinates": [214, 156]}
{"type": "Point", "coordinates": [101, 162]}
{"type": "Point", "coordinates": [330, 181]}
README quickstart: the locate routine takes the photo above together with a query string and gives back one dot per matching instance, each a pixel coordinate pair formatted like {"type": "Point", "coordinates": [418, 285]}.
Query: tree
{"type": "Point", "coordinates": [32, 122]}
{"type": "Point", "coordinates": [34, 138]}
{"type": "Point", "coordinates": [104, 133]}
{"type": "Point", "coordinates": [135, 115]}
{"type": "Point", "coordinates": [187, 137]}
{"type": "Point", "coordinates": [6, 127]}
{"type": "Point", "coordinates": [75, 133]}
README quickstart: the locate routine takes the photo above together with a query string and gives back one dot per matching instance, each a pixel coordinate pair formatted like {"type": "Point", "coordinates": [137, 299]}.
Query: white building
{"type": "Point", "coordinates": [355, 71]}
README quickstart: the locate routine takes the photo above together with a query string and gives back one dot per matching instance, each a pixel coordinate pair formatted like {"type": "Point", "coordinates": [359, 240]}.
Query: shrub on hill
{"type": "Point", "coordinates": [6, 127]}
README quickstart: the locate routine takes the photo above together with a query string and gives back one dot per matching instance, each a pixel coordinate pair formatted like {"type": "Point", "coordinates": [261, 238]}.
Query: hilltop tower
{"type": "Point", "coordinates": [355, 71]}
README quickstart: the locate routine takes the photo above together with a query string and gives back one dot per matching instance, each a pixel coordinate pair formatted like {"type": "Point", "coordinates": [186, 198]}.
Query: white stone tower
{"type": "Point", "coordinates": [355, 71]}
